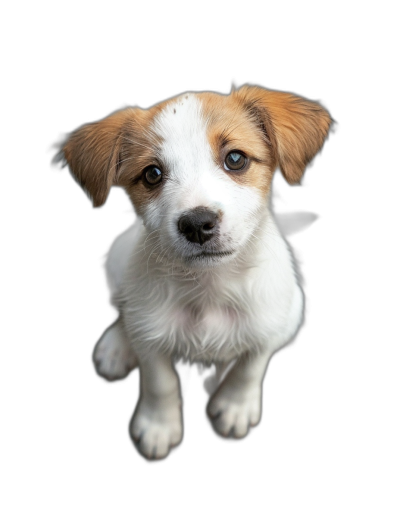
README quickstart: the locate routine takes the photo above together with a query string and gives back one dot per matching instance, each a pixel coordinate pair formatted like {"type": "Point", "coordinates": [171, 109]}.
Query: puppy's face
{"type": "Point", "coordinates": [203, 181]}
{"type": "Point", "coordinates": [198, 167]}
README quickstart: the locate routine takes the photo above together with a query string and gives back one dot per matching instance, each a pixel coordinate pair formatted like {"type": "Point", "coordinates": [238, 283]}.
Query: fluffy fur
{"type": "Point", "coordinates": [204, 274]}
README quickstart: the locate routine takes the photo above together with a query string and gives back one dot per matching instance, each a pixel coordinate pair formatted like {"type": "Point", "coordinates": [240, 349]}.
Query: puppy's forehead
{"type": "Point", "coordinates": [182, 127]}
{"type": "Point", "coordinates": [194, 124]}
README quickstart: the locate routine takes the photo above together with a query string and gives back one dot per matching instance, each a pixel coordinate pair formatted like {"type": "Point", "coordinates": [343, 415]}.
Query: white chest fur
{"type": "Point", "coordinates": [210, 316]}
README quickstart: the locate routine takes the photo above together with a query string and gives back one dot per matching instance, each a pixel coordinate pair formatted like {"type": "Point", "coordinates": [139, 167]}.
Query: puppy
{"type": "Point", "coordinates": [204, 274]}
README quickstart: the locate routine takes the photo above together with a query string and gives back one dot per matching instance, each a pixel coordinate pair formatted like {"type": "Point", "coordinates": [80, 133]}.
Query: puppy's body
{"type": "Point", "coordinates": [204, 273]}
{"type": "Point", "coordinates": [206, 316]}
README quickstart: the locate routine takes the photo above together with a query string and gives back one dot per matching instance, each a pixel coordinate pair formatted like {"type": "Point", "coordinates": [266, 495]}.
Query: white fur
{"type": "Point", "coordinates": [244, 306]}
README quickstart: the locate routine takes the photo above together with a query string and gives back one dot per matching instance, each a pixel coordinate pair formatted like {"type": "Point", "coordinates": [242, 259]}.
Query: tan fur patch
{"type": "Point", "coordinates": [296, 127]}
{"type": "Point", "coordinates": [231, 128]}
{"type": "Point", "coordinates": [113, 151]}
{"type": "Point", "coordinates": [92, 153]}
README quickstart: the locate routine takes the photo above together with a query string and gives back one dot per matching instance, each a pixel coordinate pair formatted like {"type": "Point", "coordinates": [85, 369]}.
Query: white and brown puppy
{"type": "Point", "coordinates": [204, 274]}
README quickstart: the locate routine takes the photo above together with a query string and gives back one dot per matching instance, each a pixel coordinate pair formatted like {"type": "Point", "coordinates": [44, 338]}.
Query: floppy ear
{"type": "Point", "coordinates": [92, 153]}
{"type": "Point", "coordinates": [295, 127]}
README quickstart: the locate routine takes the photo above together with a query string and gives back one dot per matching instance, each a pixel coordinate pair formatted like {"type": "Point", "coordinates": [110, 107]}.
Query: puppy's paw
{"type": "Point", "coordinates": [112, 356]}
{"type": "Point", "coordinates": [232, 410]}
{"type": "Point", "coordinates": [156, 426]}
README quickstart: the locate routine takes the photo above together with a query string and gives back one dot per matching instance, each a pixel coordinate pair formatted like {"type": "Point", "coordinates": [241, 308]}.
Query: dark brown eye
{"type": "Point", "coordinates": [235, 161]}
{"type": "Point", "coordinates": [152, 175]}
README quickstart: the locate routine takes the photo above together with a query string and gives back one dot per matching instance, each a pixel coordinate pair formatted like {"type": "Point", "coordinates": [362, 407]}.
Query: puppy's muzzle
{"type": "Point", "coordinates": [199, 225]}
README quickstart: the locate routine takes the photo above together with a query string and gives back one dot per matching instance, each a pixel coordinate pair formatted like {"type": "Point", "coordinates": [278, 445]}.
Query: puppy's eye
{"type": "Point", "coordinates": [152, 175]}
{"type": "Point", "coordinates": [235, 161]}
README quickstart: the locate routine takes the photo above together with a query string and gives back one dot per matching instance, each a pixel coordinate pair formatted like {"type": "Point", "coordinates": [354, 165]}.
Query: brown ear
{"type": "Point", "coordinates": [92, 153]}
{"type": "Point", "coordinates": [295, 127]}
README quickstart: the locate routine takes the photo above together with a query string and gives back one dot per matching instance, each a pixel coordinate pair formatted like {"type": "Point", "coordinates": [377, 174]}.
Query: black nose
{"type": "Point", "coordinates": [198, 225]}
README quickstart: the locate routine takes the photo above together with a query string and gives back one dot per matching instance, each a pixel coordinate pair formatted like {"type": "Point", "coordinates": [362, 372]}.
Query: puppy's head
{"type": "Point", "coordinates": [198, 167]}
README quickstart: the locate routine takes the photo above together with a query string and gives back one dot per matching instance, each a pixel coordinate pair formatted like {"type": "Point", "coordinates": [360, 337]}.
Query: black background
{"type": "Point", "coordinates": [308, 439]}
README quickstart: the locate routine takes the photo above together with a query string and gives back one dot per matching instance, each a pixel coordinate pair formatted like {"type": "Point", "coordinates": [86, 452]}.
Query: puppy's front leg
{"type": "Point", "coordinates": [156, 425]}
{"type": "Point", "coordinates": [236, 404]}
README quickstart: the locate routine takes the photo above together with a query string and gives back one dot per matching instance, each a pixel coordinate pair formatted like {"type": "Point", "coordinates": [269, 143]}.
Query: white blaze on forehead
{"type": "Point", "coordinates": [184, 134]}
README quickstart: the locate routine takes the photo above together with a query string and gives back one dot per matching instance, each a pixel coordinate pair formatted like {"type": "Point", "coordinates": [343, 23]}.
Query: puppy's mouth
{"type": "Point", "coordinates": [206, 255]}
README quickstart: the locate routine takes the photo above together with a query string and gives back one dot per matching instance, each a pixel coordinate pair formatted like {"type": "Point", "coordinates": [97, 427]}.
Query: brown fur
{"type": "Point", "coordinates": [271, 128]}
{"type": "Point", "coordinates": [113, 151]}
{"type": "Point", "coordinates": [295, 127]}
{"type": "Point", "coordinates": [230, 128]}
{"type": "Point", "coordinates": [93, 152]}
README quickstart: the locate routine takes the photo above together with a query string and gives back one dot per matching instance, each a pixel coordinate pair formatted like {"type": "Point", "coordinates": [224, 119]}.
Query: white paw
{"type": "Point", "coordinates": [112, 356]}
{"type": "Point", "coordinates": [233, 410]}
{"type": "Point", "coordinates": [156, 427]}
